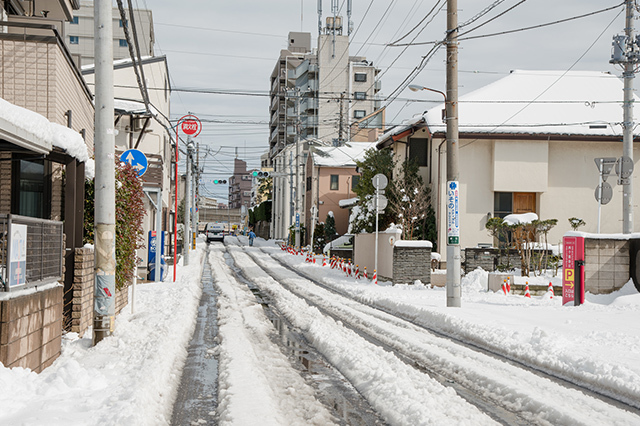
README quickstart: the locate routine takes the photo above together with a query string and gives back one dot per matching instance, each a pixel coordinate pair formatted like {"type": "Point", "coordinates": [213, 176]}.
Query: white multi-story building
{"type": "Point", "coordinates": [318, 96]}
{"type": "Point", "coordinates": [80, 40]}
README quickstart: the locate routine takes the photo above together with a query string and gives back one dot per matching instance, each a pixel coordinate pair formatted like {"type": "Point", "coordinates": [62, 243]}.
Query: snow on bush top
{"type": "Point", "coordinates": [518, 219]}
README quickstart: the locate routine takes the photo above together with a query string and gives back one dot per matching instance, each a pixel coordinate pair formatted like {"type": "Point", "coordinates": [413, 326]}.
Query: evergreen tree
{"type": "Point", "coordinates": [374, 162]}
{"type": "Point", "coordinates": [330, 228]}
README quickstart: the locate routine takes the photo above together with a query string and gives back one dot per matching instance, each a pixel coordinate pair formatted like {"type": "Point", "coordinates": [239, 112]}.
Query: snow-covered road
{"type": "Point", "coordinates": [390, 384]}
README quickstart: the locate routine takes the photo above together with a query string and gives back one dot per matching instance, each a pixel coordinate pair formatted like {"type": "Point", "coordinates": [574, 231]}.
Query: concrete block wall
{"type": "Point", "coordinates": [83, 290]}
{"type": "Point", "coordinates": [411, 264]}
{"type": "Point", "coordinates": [606, 265]}
{"type": "Point", "coordinates": [31, 329]}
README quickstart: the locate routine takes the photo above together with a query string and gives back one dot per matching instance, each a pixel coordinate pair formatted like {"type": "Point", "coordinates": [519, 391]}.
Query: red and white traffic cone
{"type": "Point", "coordinates": [365, 275]}
{"type": "Point", "coordinates": [313, 256]}
{"type": "Point", "coordinates": [551, 290]}
{"type": "Point", "coordinates": [526, 290]}
{"type": "Point", "coordinates": [324, 260]}
{"type": "Point", "coordinates": [374, 279]}
{"type": "Point", "coordinates": [508, 284]}
{"type": "Point", "coordinates": [349, 268]}
{"type": "Point", "coordinates": [504, 287]}
{"type": "Point", "coordinates": [357, 273]}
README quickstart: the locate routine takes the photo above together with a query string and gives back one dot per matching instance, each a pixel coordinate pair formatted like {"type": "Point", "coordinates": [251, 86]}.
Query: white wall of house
{"type": "Point", "coordinates": [562, 174]}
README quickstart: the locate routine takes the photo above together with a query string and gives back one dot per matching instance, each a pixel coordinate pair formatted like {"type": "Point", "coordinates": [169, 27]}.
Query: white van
{"type": "Point", "coordinates": [214, 231]}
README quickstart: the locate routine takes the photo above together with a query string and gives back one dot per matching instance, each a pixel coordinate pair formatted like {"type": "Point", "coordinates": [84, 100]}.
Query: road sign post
{"type": "Point", "coordinates": [186, 122]}
{"type": "Point", "coordinates": [380, 182]}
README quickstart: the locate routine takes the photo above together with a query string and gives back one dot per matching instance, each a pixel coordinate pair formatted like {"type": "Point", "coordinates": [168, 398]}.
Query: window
{"type": "Point", "coordinates": [123, 42]}
{"type": "Point", "coordinates": [308, 183]}
{"type": "Point", "coordinates": [32, 191]}
{"type": "Point", "coordinates": [74, 40]}
{"type": "Point", "coordinates": [354, 181]}
{"type": "Point", "coordinates": [120, 23]}
{"type": "Point", "coordinates": [502, 204]}
{"type": "Point", "coordinates": [360, 96]}
{"type": "Point", "coordinates": [74, 20]}
{"type": "Point", "coordinates": [359, 113]}
{"type": "Point", "coordinates": [334, 183]}
{"type": "Point", "coordinates": [418, 151]}
{"type": "Point", "coordinates": [362, 77]}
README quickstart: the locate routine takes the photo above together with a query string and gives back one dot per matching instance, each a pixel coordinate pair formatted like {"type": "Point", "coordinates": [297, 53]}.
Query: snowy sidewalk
{"type": "Point", "coordinates": [129, 378]}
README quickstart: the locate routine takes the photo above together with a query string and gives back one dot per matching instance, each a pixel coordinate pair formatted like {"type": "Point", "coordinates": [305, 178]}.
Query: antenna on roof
{"type": "Point", "coordinates": [349, 23]}
{"type": "Point", "coordinates": [319, 17]}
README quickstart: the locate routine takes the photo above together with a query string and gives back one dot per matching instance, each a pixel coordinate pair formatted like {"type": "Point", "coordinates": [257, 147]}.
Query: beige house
{"type": "Point", "coordinates": [147, 131]}
{"type": "Point", "coordinates": [527, 144]}
{"type": "Point", "coordinates": [46, 139]}
{"type": "Point", "coordinates": [330, 178]}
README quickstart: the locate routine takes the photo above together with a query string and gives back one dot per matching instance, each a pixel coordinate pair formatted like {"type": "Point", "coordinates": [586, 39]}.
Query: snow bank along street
{"type": "Point", "coordinates": [410, 359]}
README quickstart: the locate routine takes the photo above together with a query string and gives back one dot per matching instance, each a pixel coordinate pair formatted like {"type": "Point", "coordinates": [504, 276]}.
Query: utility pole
{"type": "Point", "coordinates": [341, 120]}
{"type": "Point", "coordinates": [453, 184]}
{"type": "Point", "coordinates": [628, 125]}
{"type": "Point", "coordinates": [297, 128]}
{"type": "Point", "coordinates": [186, 246]}
{"type": "Point", "coordinates": [105, 191]}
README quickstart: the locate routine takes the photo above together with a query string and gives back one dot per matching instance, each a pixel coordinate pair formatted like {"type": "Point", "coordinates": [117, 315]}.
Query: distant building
{"type": "Point", "coordinates": [240, 185]}
{"type": "Point", "coordinates": [79, 37]}
{"type": "Point", "coordinates": [318, 96]}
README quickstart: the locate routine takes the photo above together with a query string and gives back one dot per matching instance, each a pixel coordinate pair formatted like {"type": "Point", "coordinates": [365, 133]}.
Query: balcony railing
{"type": "Point", "coordinates": [34, 261]}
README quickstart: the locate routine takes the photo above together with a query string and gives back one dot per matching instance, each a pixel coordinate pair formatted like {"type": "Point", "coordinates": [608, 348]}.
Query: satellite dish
{"type": "Point", "coordinates": [392, 241]}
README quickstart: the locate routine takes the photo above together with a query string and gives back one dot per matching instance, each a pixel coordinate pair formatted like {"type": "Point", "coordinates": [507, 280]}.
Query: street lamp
{"type": "Point", "coordinates": [453, 196]}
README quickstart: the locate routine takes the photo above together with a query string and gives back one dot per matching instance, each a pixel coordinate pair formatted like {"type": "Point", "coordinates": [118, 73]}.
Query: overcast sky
{"type": "Point", "coordinates": [232, 46]}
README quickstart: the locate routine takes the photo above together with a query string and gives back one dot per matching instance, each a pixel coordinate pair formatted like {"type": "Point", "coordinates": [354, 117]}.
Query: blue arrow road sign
{"type": "Point", "coordinates": [136, 159]}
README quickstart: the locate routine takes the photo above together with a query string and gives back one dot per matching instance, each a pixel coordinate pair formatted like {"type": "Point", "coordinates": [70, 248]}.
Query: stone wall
{"type": "Point", "coordinates": [411, 264]}
{"type": "Point", "coordinates": [31, 329]}
{"type": "Point", "coordinates": [606, 267]}
{"type": "Point", "coordinates": [487, 259]}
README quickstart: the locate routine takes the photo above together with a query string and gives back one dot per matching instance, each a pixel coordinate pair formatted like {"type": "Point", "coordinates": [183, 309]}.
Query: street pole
{"type": "Point", "coordinates": [628, 125]}
{"type": "Point", "coordinates": [453, 186]}
{"type": "Point", "coordinates": [297, 128]}
{"type": "Point", "coordinates": [186, 244]}
{"type": "Point", "coordinates": [105, 191]}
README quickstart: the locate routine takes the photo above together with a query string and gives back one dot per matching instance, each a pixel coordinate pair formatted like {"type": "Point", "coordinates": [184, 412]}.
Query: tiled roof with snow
{"type": "Point", "coordinates": [541, 102]}
{"type": "Point", "coordinates": [341, 156]}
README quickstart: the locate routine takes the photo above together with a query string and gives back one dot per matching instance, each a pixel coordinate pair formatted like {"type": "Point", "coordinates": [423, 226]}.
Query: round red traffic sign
{"type": "Point", "coordinates": [190, 127]}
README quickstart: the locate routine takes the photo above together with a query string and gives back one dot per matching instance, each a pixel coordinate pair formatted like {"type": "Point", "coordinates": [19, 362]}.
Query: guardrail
{"type": "Point", "coordinates": [31, 251]}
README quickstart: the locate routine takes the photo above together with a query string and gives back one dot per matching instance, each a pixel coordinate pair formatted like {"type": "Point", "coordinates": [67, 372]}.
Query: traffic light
{"type": "Point", "coordinates": [219, 181]}
{"type": "Point", "coordinates": [260, 174]}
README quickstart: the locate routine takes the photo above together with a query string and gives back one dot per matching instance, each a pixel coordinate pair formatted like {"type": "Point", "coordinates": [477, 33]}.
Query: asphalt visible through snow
{"type": "Point", "coordinates": [197, 397]}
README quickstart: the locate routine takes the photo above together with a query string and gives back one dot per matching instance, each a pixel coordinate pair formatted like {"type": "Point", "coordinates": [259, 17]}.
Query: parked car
{"type": "Point", "coordinates": [214, 231]}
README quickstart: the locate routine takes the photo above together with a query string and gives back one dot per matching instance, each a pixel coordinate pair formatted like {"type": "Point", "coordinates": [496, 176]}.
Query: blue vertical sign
{"type": "Point", "coordinates": [151, 255]}
{"type": "Point", "coordinates": [453, 209]}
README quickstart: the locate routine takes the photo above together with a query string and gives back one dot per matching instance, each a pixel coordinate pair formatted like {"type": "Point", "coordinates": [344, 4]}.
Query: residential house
{"type": "Point", "coordinates": [527, 143]}
{"type": "Point", "coordinates": [46, 138]}
{"type": "Point", "coordinates": [331, 177]}
{"type": "Point", "coordinates": [147, 129]}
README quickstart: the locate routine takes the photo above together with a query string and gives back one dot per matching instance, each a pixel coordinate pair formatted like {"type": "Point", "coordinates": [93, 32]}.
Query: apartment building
{"type": "Point", "coordinates": [78, 33]}
{"type": "Point", "coordinates": [240, 185]}
{"type": "Point", "coordinates": [322, 96]}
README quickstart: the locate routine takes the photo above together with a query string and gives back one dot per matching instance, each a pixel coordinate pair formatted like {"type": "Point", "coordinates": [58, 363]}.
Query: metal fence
{"type": "Point", "coordinates": [44, 252]}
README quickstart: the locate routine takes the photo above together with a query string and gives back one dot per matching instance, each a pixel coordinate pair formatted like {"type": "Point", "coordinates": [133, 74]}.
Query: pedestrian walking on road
{"type": "Point", "coordinates": [252, 235]}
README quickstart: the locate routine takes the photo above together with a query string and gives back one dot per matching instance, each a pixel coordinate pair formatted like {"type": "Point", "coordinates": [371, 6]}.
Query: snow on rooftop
{"type": "Point", "coordinates": [348, 202]}
{"type": "Point", "coordinates": [41, 128]}
{"type": "Point", "coordinates": [341, 156]}
{"type": "Point", "coordinates": [541, 102]}
{"type": "Point", "coordinates": [133, 107]}
{"type": "Point", "coordinates": [405, 125]}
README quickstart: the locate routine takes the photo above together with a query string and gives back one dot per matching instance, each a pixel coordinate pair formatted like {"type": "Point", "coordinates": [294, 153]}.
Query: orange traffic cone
{"type": "Point", "coordinates": [551, 289]}
{"type": "Point", "coordinates": [526, 290]}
